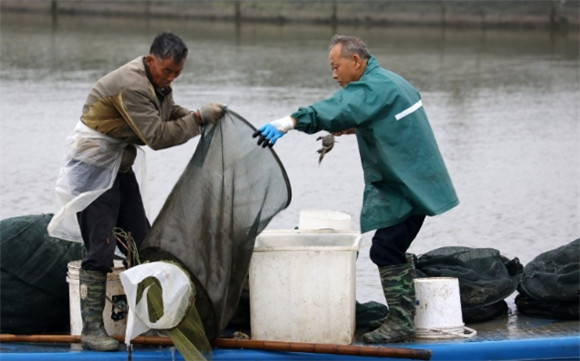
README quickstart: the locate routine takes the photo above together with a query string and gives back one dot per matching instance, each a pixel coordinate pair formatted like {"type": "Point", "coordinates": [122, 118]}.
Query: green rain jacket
{"type": "Point", "coordinates": [403, 169]}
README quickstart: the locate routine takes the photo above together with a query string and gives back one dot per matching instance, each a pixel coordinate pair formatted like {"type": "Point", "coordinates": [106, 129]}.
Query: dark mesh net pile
{"type": "Point", "coordinates": [34, 295]}
{"type": "Point", "coordinates": [550, 285]}
{"type": "Point", "coordinates": [228, 193]}
{"type": "Point", "coordinates": [485, 277]}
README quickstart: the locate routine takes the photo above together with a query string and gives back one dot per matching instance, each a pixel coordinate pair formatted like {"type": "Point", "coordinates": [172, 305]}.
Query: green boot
{"type": "Point", "coordinates": [92, 292]}
{"type": "Point", "coordinates": [399, 290]}
{"type": "Point", "coordinates": [379, 322]}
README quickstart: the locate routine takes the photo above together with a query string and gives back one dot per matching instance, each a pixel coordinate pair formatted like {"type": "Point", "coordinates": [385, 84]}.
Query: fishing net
{"type": "Point", "coordinates": [485, 278]}
{"type": "Point", "coordinates": [34, 295]}
{"type": "Point", "coordinates": [226, 196]}
{"type": "Point", "coordinates": [550, 284]}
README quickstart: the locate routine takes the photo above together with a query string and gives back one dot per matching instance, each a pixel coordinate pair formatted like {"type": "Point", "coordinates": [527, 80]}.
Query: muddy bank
{"type": "Point", "coordinates": [472, 14]}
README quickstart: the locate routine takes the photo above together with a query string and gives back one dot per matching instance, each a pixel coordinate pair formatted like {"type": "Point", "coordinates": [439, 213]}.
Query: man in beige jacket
{"type": "Point", "coordinates": [129, 107]}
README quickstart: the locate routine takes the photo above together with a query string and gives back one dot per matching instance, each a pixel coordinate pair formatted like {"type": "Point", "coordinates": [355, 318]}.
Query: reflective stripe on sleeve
{"type": "Point", "coordinates": [409, 110]}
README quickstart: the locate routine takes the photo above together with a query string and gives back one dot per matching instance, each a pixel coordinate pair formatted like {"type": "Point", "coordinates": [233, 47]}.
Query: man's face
{"type": "Point", "coordinates": [344, 70]}
{"type": "Point", "coordinates": [163, 71]}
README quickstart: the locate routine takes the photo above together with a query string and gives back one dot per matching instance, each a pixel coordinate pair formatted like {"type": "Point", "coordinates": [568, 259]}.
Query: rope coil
{"type": "Point", "coordinates": [446, 332]}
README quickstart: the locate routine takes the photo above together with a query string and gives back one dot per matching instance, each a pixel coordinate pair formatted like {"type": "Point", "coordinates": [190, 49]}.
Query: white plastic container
{"type": "Point", "coordinates": [438, 309]}
{"type": "Point", "coordinates": [323, 219]}
{"type": "Point", "coordinates": [303, 286]}
{"type": "Point", "coordinates": [114, 292]}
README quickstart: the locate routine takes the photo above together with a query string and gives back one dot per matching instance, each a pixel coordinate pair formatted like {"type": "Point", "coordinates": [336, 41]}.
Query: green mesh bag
{"type": "Point", "coordinates": [33, 266]}
{"type": "Point", "coordinates": [228, 193]}
{"type": "Point", "coordinates": [550, 284]}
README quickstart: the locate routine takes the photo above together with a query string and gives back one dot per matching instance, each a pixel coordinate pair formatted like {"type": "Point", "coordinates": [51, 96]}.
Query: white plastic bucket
{"type": "Point", "coordinates": [114, 318]}
{"type": "Point", "coordinates": [323, 219]}
{"type": "Point", "coordinates": [438, 309]}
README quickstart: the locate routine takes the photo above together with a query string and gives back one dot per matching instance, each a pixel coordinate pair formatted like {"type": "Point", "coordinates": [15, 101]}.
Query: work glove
{"type": "Point", "coordinates": [212, 112]}
{"type": "Point", "coordinates": [271, 132]}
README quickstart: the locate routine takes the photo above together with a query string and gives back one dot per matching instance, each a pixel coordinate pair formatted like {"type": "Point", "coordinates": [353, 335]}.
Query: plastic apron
{"type": "Point", "coordinates": [91, 163]}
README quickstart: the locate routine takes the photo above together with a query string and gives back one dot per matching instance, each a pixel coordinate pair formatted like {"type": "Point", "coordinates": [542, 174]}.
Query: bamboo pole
{"type": "Point", "coordinates": [353, 350]}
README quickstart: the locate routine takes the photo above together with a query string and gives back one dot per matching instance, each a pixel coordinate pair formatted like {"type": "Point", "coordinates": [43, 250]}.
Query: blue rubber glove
{"type": "Point", "coordinates": [271, 132]}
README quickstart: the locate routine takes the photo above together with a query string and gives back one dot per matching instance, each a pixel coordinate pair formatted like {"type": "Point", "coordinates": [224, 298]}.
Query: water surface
{"type": "Point", "coordinates": [503, 106]}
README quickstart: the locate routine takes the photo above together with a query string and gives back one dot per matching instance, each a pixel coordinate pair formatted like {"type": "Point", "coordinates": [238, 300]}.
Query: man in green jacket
{"type": "Point", "coordinates": [405, 176]}
{"type": "Point", "coordinates": [97, 188]}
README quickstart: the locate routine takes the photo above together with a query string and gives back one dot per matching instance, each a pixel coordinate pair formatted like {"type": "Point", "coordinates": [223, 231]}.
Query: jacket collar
{"type": "Point", "coordinates": [161, 93]}
{"type": "Point", "coordinates": [372, 64]}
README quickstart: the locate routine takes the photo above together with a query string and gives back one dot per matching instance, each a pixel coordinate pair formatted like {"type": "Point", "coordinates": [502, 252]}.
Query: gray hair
{"type": "Point", "coordinates": [168, 45]}
{"type": "Point", "coordinates": [350, 45]}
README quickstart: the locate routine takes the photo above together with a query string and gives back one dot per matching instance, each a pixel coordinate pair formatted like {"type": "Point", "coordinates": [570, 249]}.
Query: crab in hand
{"type": "Point", "coordinates": [327, 145]}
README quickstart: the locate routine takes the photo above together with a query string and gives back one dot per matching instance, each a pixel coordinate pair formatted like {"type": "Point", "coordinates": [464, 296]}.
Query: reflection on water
{"type": "Point", "coordinates": [503, 105]}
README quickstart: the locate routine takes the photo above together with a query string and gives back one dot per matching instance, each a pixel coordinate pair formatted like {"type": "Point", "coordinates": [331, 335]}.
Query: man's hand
{"type": "Point", "coordinates": [271, 132]}
{"type": "Point", "coordinates": [211, 113]}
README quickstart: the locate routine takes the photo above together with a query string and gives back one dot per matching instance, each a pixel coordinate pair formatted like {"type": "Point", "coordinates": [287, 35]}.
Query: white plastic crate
{"type": "Point", "coordinates": [303, 286]}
